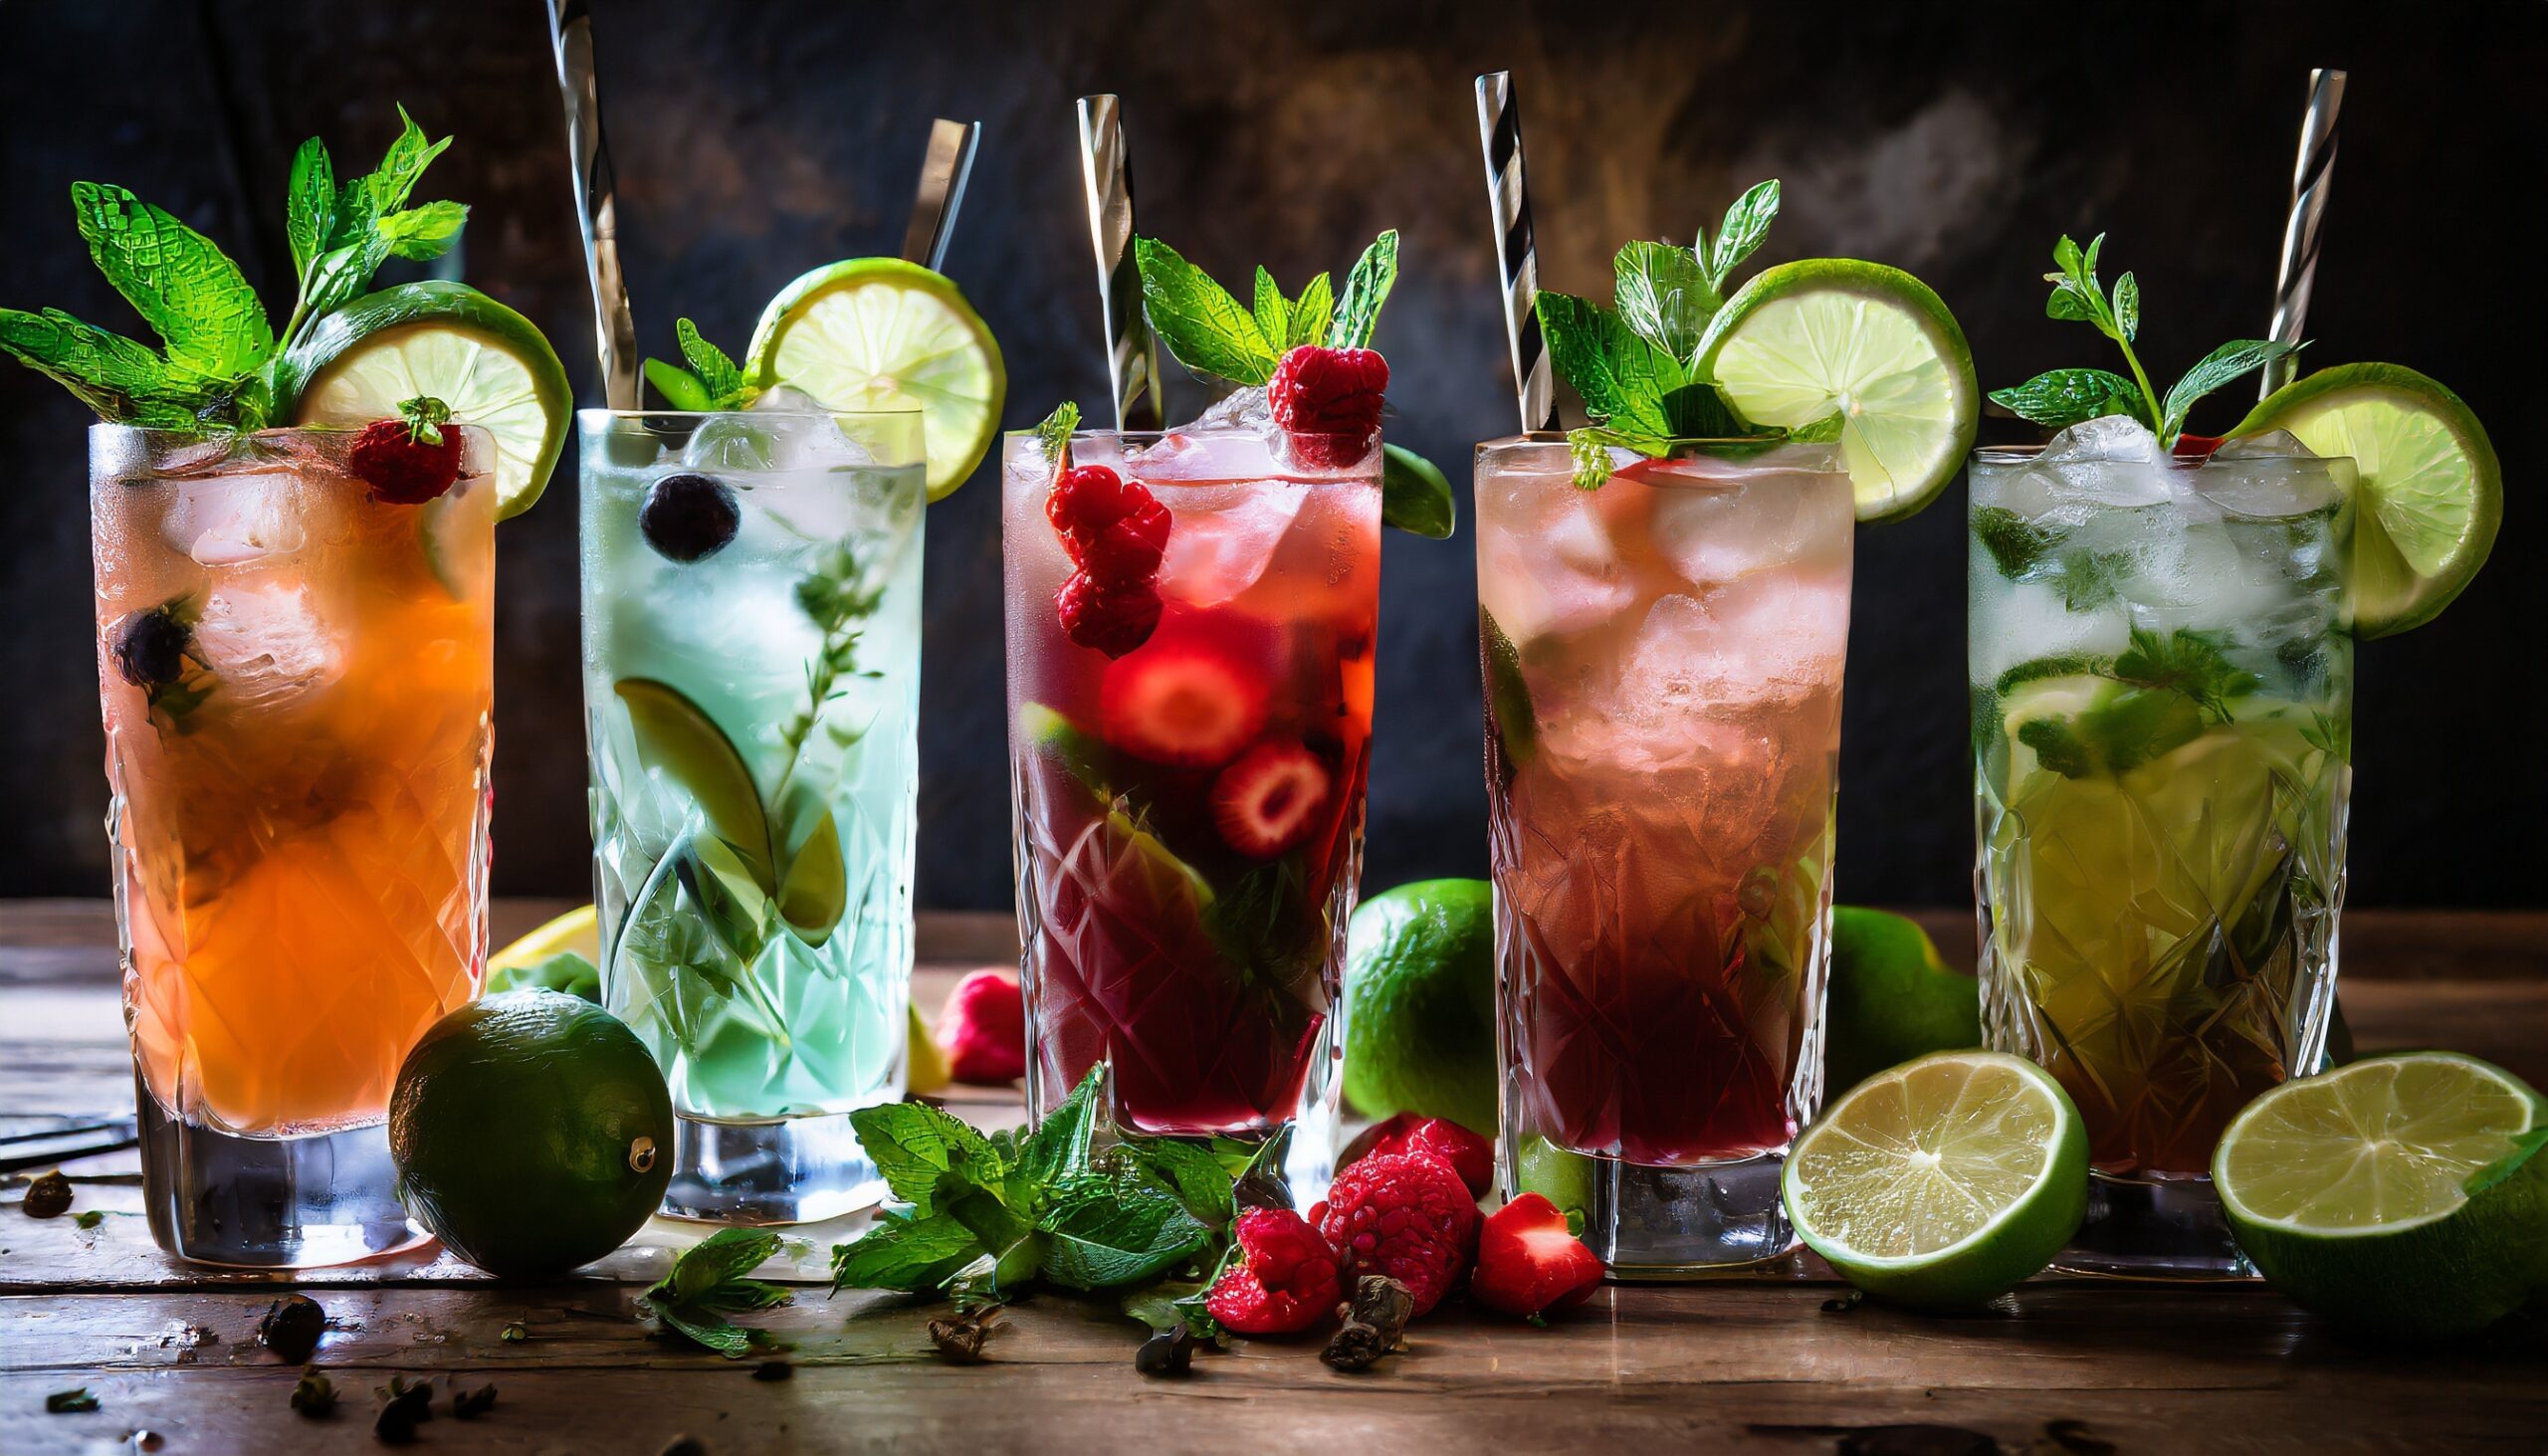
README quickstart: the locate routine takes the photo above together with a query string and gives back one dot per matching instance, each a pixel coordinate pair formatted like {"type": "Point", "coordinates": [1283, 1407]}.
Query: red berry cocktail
{"type": "Point", "coordinates": [1190, 635]}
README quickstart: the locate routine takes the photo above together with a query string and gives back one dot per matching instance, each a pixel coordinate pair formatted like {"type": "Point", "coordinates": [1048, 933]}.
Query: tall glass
{"type": "Point", "coordinates": [297, 680]}
{"type": "Point", "coordinates": [752, 694]}
{"type": "Point", "coordinates": [1189, 813]}
{"type": "Point", "coordinates": [1662, 660]}
{"type": "Point", "coordinates": [2163, 696]}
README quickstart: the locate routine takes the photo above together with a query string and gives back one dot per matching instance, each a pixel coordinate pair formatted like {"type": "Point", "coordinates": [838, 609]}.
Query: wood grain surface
{"type": "Point", "coordinates": [1755, 1362]}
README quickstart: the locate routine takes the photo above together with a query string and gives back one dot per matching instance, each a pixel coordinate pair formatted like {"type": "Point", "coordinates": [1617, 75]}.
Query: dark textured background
{"type": "Point", "coordinates": [757, 141]}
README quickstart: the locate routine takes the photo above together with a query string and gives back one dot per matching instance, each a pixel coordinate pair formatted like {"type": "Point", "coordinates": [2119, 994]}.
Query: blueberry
{"type": "Point", "coordinates": [150, 648]}
{"type": "Point", "coordinates": [689, 517]}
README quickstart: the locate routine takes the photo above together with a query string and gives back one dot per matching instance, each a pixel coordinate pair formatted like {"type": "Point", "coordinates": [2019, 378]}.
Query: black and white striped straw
{"type": "Point", "coordinates": [597, 202]}
{"type": "Point", "coordinates": [1131, 352]}
{"type": "Point", "coordinates": [943, 170]}
{"type": "Point", "coordinates": [1499, 132]}
{"type": "Point", "coordinates": [2306, 225]}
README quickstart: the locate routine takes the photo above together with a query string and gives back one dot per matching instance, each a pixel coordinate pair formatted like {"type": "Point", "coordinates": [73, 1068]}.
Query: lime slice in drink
{"type": "Point", "coordinates": [454, 343]}
{"type": "Point", "coordinates": [676, 739]}
{"type": "Point", "coordinates": [1805, 341]}
{"type": "Point", "coordinates": [2396, 1193]}
{"type": "Point", "coordinates": [2431, 490]}
{"type": "Point", "coordinates": [1943, 1181]}
{"type": "Point", "coordinates": [881, 333]}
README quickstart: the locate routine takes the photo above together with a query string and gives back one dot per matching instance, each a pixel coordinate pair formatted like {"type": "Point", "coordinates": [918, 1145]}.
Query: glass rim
{"type": "Point", "coordinates": [200, 437]}
{"type": "Point", "coordinates": [2021, 454]}
{"type": "Point", "coordinates": [598, 414]}
{"type": "Point", "coordinates": [1206, 432]}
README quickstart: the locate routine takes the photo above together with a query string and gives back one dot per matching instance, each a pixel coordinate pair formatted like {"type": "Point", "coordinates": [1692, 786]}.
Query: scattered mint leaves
{"type": "Point", "coordinates": [1053, 433]}
{"type": "Point", "coordinates": [2061, 399]}
{"type": "Point", "coordinates": [219, 355]}
{"type": "Point", "coordinates": [707, 1284]}
{"type": "Point", "coordinates": [2187, 662]}
{"type": "Point", "coordinates": [712, 382]}
{"type": "Point", "coordinates": [978, 1211]}
{"type": "Point", "coordinates": [77, 1401]}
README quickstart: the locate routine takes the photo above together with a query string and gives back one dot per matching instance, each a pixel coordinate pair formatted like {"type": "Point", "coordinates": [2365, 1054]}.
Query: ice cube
{"type": "Point", "coordinates": [1547, 564]}
{"type": "Point", "coordinates": [1223, 537]}
{"type": "Point", "coordinates": [1713, 534]}
{"type": "Point", "coordinates": [825, 442]}
{"type": "Point", "coordinates": [2023, 622]}
{"type": "Point", "coordinates": [1244, 409]}
{"type": "Point", "coordinates": [267, 643]}
{"type": "Point", "coordinates": [232, 520]}
{"type": "Point", "coordinates": [2112, 439]}
{"type": "Point", "coordinates": [786, 399]}
{"type": "Point", "coordinates": [2274, 479]}
{"type": "Point", "coordinates": [2113, 460]}
{"type": "Point", "coordinates": [731, 443]}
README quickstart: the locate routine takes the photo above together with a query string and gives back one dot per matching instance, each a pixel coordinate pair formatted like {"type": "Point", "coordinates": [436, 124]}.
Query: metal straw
{"type": "Point", "coordinates": [597, 190]}
{"type": "Point", "coordinates": [943, 169]}
{"type": "Point", "coordinates": [2305, 228]}
{"type": "Point", "coordinates": [1499, 132]}
{"type": "Point", "coordinates": [1132, 354]}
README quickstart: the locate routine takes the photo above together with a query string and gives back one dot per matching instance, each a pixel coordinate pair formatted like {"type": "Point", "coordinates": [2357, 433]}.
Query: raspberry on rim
{"type": "Point", "coordinates": [1328, 401]}
{"type": "Point", "coordinates": [409, 460]}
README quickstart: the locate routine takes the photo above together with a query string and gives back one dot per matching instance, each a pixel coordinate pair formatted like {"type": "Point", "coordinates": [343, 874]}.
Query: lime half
{"type": "Point", "coordinates": [450, 342]}
{"type": "Point", "coordinates": [1943, 1181]}
{"type": "Point", "coordinates": [1825, 336]}
{"type": "Point", "coordinates": [2432, 491]}
{"type": "Point", "coordinates": [2396, 1193]}
{"type": "Point", "coordinates": [881, 333]}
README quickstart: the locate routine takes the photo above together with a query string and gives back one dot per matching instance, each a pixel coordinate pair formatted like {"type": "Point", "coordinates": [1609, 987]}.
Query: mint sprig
{"type": "Point", "coordinates": [999, 1211]}
{"type": "Point", "coordinates": [1207, 328]}
{"type": "Point", "coordinates": [707, 1284]}
{"type": "Point", "coordinates": [217, 364]}
{"type": "Point", "coordinates": [1053, 433]}
{"type": "Point", "coordinates": [2060, 399]}
{"type": "Point", "coordinates": [712, 382]}
{"type": "Point", "coordinates": [1636, 365]}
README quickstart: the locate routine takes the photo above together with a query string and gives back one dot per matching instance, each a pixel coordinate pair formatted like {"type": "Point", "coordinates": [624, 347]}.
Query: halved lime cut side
{"type": "Point", "coordinates": [874, 333]}
{"type": "Point", "coordinates": [2400, 1193]}
{"type": "Point", "coordinates": [1943, 1181]}
{"type": "Point", "coordinates": [1825, 336]}
{"type": "Point", "coordinates": [2429, 487]}
{"type": "Point", "coordinates": [452, 343]}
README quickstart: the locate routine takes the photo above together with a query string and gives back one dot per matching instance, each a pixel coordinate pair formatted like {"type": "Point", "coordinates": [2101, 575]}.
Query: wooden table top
{"type": "Point", "coordinates": [1758, 1361]}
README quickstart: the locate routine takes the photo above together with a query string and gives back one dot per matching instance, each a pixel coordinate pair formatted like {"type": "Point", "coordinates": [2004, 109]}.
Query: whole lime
{"type": "Point", "coordinates": [1419, 1003]}
{"type": "Point", "coordinates": [532, 1131]}
{"type": "Point", "coordinates": [1892, 998]}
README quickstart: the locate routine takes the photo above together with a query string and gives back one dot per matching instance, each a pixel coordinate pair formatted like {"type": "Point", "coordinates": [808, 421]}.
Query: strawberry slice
{"type": "Point", "coordinates": [1528, 1264]}
{"type": "Point", "coordinates": [1181, 701]}
{"type": "Point", "coordinates": [1269, 800]}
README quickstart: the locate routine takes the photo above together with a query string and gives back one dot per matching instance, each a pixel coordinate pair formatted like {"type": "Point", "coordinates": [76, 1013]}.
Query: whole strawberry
{"type": "Point", "coordinates": [1529, 1263]}
{"type": "Point", "coordinates": [1284, 1280]}
{"type": "Point", "coordinates": [1114, 529]}
{"type": "Point", "coordinates": [1405, 1215]}
{"type": "Point", "coordinates": [1329, 401]}
{"type": "Point", "coordinates": [409, 460]}
{"type": "Point", "coordinates": [1468, 1153]}
{"type": "Point", "coordinates": [983, 1030]}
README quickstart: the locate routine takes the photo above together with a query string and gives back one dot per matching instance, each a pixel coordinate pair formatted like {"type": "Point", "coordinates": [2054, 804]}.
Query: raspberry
{"type": "Point", "coordinates": [983, 1030]}
{"type": "Point", "coordinates": [399, 465]}
{"type": "Point", "coordinates": [1111, 619]}
{"type": "Point", "coordinates": [1446, 1141]}
{"type": "Point", "coordinates": [1329, 401]}
{"type": "Point", "coordinates": [1404, 1215]}
{"type": "Point", "coordinates": [1528, 1264]}
{"type": "Point", "coordinates": [1284, 1281]}
{"type": "Point", "coordinates": [1114, 529]}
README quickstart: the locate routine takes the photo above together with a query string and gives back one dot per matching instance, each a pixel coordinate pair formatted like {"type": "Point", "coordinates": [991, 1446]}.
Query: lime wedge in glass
{"type": "Point", "coordinates": [2432, 493]}
{"type": "Point", "coordinates": [1942, 1182]}
{"type": "Point", "coordinates": [2396, 1193]}
{"type": "Point", "coordinates": [881, 333]}
{"type": "Point", "coordinates": [1806, 341]}
{"type": "Point", "coordinates": [450, 342]}
{"type": "Point", "coordinates": [675, 739]}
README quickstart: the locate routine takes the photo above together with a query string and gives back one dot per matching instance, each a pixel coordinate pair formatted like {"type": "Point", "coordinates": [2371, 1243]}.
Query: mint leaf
{"type": "Point", "coordinates": [706, 1282]}
{"type": "Point", "coordinates": [1415, 497]}
{"type": "Point", "coordinates": [1698, 412]}
{"type": "Point", "coordinates": [1665, 295]}
{"type": "Point", "coordinates": [425, 232]}
{"type": "Point", "coordinates": [1262, 925]}
{"type": "Point", "coordinates": [2058, 747]}
{"type": "Point", "coordinates": [2013, 542]}
{"type": "Point", "coordinates": [123, 381]}
{"type": "Point", "coordinates": [680, 388]}
{"type": "Point", "coordinates": [1745, 223]}
{"type": "Point", "coordinates": [2061, 399]}
{"type": "Point", "coordinates": [1273, 316]}
{"type": "Point", "coordinates": [308, 202]}
{"type": "Point", "coordinates": [2127, 306]}
{"type": "Point", "coordinates": [2087, 579]}
{"type": "Point", "coordinates": [914, 1254]}
{"type": "Point", "coordinates": [1053, 432]}
{"type": "Point", "coordinates": [1108, 1232]}
{"type": "Point", "coordinates": [1621, 378]}
{"type": "Point", "coordinates": [1311, 313]}
{"type": "Point", "coordinates": [914, 1145]}
{"type": "Point", "coordinates": [1059, 1147]}
{"type": "Point", "coordinates": [2236, 357]}
{"type": "Point", "coordinates": [1823, 431]}
{"type": "Point", "coordinates": [2077, 296]}
{"type": "Point", "coordinates": [364, 228]}
{"type": "Point", "coordinates": [715, 1261]}
{"type": "Point", "coordinates": [713, 367]}
{"type": "Point", "coordinates": [187, 290]}
{"type": "Point", "coordinates": [1192, 1174]}
{"type": "Point", "coordinates": [2187, 662]}
{"type": "Point", "coordinates": [1367, 288]}
{"type": "Point", "coordinates": [1197, 318]}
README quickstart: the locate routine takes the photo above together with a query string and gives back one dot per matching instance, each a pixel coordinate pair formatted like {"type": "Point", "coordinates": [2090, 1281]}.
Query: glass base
{"type": "Point", "coordinates": [2155, 1228]}
{"type": "Point", "coordinates": [792, 1170]}
{"type": "Point", "coordinates": [217, 1197]}
{"type": "Point", "coordinates": [1663, 1223]}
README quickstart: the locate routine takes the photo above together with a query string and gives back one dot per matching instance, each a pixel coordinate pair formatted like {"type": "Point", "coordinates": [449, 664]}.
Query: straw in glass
{"type": "Point", "coordinates": [1499, 132]}
{"type": "Point", "coordinates": [943, 169]}
{"type": "Point", "coordinates": [596, 192]}
{"type": "Point", "coordinates": [1132, 354]}
{"type": "Point", "coordinates": [2305, 227]}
